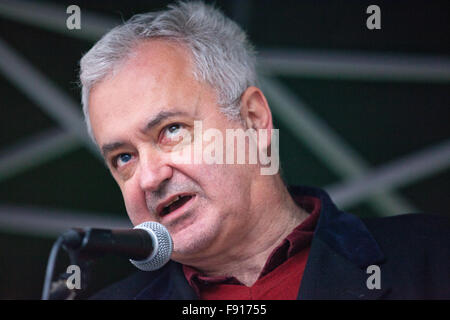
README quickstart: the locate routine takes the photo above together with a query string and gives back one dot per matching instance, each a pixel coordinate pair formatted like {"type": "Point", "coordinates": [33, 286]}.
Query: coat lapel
{"type": "Point", "coordinates": [341, 251]}
{"type": "Point", "coordinates": [329, 275]}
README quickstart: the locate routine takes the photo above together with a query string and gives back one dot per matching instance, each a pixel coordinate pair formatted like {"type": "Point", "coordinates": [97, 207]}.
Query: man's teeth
{"type": "Point", "coordinates": [174, 199]}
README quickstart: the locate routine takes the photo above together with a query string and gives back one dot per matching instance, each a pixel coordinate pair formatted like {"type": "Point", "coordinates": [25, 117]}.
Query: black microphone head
{"type": "Point", "coordinates": [162, 247]}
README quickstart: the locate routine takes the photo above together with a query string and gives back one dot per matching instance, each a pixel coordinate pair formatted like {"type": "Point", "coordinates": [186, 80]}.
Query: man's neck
{"type": "Point", "coordinates": [246, 262]}
{"type": "Point", "coordinates": [248, 270]}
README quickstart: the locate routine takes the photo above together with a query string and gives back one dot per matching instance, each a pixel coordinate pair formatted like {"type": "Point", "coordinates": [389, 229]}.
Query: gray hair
{"type": "Point", "coordinates": [222, 55]}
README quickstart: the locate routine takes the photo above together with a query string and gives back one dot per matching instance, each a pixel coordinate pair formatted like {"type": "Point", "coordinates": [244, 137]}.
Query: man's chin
{"type": "Point", "coordinates": [192, 237]}
{"type": "Point", "coordinates": [188, 246]}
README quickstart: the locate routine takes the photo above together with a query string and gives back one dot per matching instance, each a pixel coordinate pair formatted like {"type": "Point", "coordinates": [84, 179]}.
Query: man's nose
{"type": "Point", "coordinates": [153, 171]}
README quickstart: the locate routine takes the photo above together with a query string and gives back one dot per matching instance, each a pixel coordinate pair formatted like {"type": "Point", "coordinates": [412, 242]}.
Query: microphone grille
{"type": "Point", "coordinates": [162, 243]}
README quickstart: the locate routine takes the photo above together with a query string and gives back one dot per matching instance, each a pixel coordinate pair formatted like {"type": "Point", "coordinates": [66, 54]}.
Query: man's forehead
{"type": "Point", "coordinates": [116, 121]}
{"type": "Point", "coordinates": [145, 88]}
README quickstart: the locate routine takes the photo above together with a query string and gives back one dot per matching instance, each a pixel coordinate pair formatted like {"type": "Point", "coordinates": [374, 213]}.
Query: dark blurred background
{"type": "Point", "coordinates": [362, 113]}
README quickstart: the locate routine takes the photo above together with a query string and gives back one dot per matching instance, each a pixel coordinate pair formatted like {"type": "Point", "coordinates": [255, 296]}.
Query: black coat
{"type": "Point", "coordinates": [412, 252]}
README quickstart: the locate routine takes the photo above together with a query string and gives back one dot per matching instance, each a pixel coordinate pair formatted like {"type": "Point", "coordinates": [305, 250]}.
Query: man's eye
{"type": "Point", "coordinates": [172, 133]}
{"type": "Point", "coordinates": [122, 159]}
{"type": "Point", "coordinates": [173, 129]}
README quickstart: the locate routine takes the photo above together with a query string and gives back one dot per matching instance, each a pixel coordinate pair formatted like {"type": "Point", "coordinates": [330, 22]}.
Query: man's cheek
{"type": "Point", "coordinates": [136, 208]}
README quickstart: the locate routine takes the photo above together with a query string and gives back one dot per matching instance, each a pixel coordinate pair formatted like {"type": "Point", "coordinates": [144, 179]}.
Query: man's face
{"type": "Point", "coordinates": [137, 115]}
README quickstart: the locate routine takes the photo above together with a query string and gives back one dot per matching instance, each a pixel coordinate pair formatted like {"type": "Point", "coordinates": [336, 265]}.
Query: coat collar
{"type": "Point", "coordinates": [341, 251]}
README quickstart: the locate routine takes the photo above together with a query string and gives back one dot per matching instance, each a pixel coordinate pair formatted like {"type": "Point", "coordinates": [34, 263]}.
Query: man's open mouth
{"type": "Point", "coordinates": [175, 203]}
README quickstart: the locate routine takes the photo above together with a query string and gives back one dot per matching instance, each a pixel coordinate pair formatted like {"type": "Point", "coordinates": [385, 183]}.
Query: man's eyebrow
{"type": "Point", "coordinates": [161, 116]}
{"type": "Point", "coordinates": [156, 120]}
{"type": "Point", "coordinates": [109, 147]}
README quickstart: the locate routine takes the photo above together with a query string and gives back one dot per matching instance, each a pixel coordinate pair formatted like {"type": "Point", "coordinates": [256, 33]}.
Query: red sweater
{"type": "Point", "coordinates": [282, 274]}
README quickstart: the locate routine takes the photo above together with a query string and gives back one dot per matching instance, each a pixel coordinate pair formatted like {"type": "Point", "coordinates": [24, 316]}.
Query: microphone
{"type": "Point", "coordinates": [148, 246]}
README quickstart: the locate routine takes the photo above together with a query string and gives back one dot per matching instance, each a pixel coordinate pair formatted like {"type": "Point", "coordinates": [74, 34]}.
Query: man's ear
{"type": "Point", "coordinates": [256, 113]}
{"type": "Point", "coordinates": [255, 110]}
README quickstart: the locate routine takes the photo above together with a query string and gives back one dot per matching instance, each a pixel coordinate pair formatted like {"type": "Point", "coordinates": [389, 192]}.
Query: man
{"type": "Point", "coordinates": [149, 87]}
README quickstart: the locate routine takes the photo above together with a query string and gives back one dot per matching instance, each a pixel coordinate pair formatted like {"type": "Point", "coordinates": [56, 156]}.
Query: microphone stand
{"type": "Point", "coordinates": [73, 242]}
{"type": "Point", "coordinates": [59, 288]}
